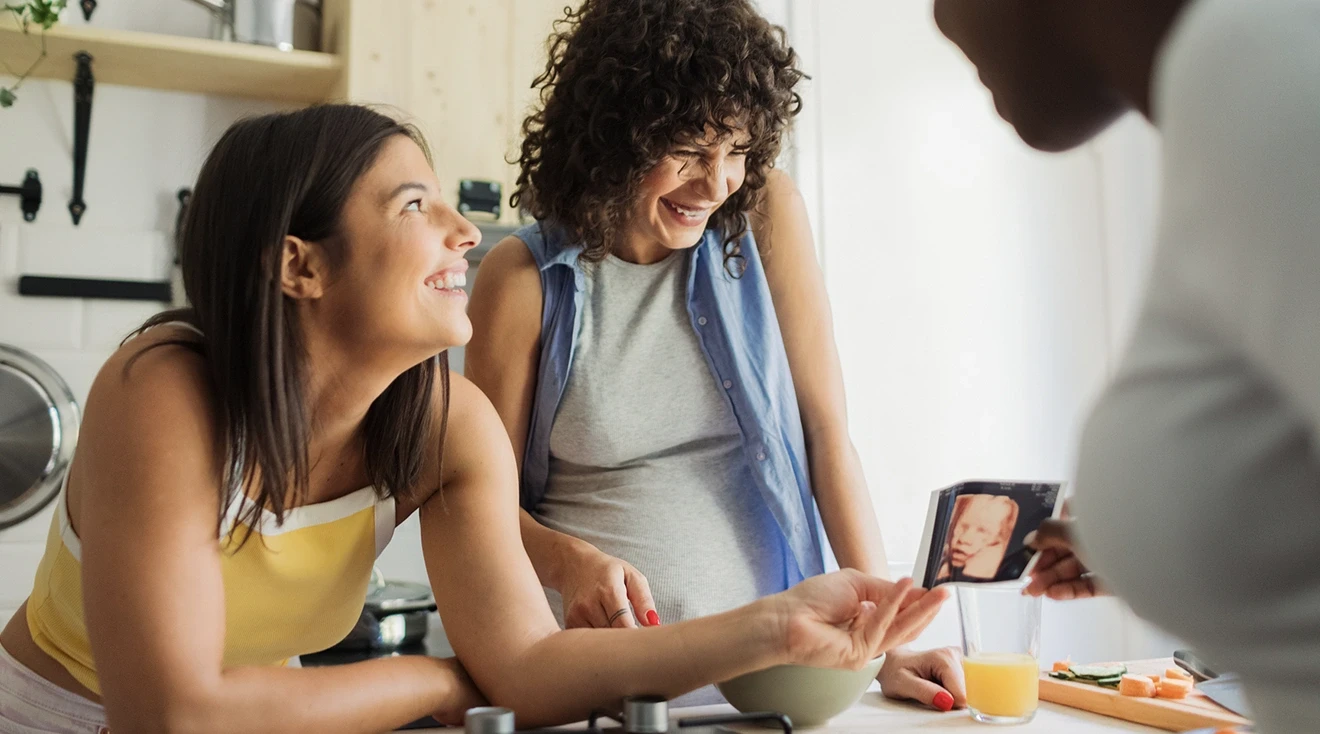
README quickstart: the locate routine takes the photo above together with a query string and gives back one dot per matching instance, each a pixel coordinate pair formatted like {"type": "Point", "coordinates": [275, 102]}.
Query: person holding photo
{"type": "Point", "coordinates": [1198, 476]}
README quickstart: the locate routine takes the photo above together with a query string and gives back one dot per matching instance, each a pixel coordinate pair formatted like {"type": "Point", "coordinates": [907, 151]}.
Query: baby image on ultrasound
{"type": "Point", "coordinates": [982, 526]}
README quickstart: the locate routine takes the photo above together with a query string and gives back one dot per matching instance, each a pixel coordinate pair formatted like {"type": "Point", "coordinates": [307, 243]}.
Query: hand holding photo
{"type": "Point", "coordinates": [975, 531]}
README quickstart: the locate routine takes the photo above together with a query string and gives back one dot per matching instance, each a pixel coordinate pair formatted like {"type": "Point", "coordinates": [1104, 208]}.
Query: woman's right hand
{"type": "Point", "coordinates": [1059, 573]}
{"type": "Point", "coordinates": [600, 590]}
{"type": "Point", "coordinates": [847, 618]}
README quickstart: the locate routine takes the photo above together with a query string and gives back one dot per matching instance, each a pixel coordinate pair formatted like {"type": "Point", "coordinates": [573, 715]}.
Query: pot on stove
{"type": "Point", "coordinates": [38, 429]}
{"type": "Point", "coordinates": [395, 616]}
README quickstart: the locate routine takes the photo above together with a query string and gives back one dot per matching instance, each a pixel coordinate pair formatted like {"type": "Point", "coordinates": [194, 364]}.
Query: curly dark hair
{"type": "Point", "coordinates": [627, 81]}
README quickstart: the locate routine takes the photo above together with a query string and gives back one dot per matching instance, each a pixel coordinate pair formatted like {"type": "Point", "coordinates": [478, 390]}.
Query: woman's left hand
{"type": "Point", "coordinates": [932, 677]}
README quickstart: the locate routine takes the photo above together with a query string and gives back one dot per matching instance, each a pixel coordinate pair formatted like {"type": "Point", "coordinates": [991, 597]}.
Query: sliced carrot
{"type": "Point", "coordinates": [1137, 686]}
{"type": "Point", "coordinates": [1155, 679]}
{"type": "Point", "coordinates": [1178, 674]}
{"type": "Point", "coordinates": [1171, 688]}
{"type": "Point", "coordinates": [1062, 666]}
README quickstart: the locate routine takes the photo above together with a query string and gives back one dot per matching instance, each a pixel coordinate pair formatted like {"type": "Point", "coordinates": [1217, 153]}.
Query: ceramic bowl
{"type": "Point", "coordinates": [808, 696]}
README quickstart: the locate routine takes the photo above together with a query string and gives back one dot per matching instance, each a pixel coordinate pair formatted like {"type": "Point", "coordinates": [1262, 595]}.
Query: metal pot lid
{"type": "Point", "coordinates": [391, 597]}
{"type": "Point", "coordinates": [38, 430]}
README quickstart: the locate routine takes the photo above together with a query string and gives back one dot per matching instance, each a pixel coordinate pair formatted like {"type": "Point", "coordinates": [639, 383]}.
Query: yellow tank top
{"type": "Point", "coordinates": [293, 588]}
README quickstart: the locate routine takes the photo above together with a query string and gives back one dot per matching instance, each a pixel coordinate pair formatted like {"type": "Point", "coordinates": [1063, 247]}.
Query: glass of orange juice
{"type": "Point", "coordinates": [1001, 644]}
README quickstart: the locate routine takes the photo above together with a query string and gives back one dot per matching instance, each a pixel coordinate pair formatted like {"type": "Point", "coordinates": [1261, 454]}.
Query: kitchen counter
{"type": "Point", "coordinates": [875, 713]}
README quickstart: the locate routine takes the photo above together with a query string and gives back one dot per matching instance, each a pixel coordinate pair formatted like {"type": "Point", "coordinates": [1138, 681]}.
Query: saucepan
{"type": "Point", "coordinates": [394, 617]}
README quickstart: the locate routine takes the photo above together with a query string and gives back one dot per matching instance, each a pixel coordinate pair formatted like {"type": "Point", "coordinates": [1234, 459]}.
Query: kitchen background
{"type": "Point", "coordinates": [981, 291]}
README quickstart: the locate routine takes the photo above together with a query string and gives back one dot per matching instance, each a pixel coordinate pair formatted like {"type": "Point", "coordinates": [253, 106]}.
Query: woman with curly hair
{"type": "Point", "coordinates": [658, 344]}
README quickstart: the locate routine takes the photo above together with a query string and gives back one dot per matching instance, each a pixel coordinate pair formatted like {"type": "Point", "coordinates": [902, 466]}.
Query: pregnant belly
{"type": "Point", "coordinates": [702, 552]}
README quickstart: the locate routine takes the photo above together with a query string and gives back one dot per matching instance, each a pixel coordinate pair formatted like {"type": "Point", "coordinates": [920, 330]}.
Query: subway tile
{"type": "Point", "coordinates": [8, 247]}
{"type": "Point", "coordinates": [31, 530]}
{"type": "Point", "coordinates": [18, 567]}
{"type": "Point", "coordinates": [106, 323]}
{"type": "Point", "coordinates": [104, 253]}
{"type": "Point", "coordinates": [35, 323]}
{"type": "Point", "coordinates": [77, 367]}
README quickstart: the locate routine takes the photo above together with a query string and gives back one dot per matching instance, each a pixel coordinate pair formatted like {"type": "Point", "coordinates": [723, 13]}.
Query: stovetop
{"type": "Point", "coordinates": [640, 714]}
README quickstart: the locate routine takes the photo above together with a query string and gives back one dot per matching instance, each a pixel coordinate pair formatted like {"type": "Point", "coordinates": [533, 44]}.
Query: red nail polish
{"type": "Point", "coordinates": [943, 701]}
{"type": "Point", "coordinates": [652, 618]}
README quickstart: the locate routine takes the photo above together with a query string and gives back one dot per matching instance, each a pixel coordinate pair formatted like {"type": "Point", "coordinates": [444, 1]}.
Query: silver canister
{"type": "Point", "coordinates": [488, 720]}
{"type": "Point", "coordinates": [263, 22]}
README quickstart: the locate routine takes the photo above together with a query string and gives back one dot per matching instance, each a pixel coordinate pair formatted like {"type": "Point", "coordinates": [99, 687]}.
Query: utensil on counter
{"type": "Point", "coordinates": [1194, 666]}
{"type": "Point", "coordinates": [38, 429]}
{"type": "Point", "coordinates": [1225, 690]}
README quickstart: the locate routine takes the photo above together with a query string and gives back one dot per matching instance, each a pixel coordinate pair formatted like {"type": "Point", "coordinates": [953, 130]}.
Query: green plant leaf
{"type": "Point", "coordinates": [43, 13]}
{"type": "Point", "coordinates": [46, 13]}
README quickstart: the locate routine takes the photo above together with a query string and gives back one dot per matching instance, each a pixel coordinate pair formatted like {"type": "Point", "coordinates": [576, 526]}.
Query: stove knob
{"type": "Point", "coordinates": [645, 715]}
{"type": "Point", "coordinates": [488, 720]}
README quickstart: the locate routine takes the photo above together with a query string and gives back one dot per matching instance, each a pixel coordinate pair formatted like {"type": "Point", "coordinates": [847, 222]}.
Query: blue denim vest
{"type": "Point", "coordinates": [735, 322]}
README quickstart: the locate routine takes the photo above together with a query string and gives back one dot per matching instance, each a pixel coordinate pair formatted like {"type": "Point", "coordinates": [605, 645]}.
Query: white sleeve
{"type": "Point", "coordinates": [1237, 99]}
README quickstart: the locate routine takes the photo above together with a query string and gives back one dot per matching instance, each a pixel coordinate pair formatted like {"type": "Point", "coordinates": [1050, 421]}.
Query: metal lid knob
{"type": "Point", "coordinates": [645, 715]}
{"type": "Point", "coordinates": [488, 720]}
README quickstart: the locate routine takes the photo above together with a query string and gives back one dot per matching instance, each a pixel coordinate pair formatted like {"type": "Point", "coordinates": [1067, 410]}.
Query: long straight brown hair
{"type": "Point", "coordinates": [267, 178]}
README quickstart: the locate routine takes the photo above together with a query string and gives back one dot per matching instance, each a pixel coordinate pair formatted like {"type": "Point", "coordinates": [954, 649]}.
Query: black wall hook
{"type": "Point", "coordinates": [83, 85]}
{"type": "Point", "coordinates": [29, 194]}
{"type": "Point", "coordinates": [88, 7]}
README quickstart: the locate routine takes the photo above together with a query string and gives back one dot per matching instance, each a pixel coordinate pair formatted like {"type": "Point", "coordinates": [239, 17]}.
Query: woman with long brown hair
{"type": "Point", "coordinates": [243, 461]}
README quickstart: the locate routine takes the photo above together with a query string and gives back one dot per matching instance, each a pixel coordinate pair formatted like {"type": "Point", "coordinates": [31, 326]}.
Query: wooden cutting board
{"type": "Point", "coordinates": [1194, 712]}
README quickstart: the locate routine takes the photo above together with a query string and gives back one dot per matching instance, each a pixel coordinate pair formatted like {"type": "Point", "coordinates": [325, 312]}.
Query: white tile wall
{"type": "Point", "coordinates": [144, 145]}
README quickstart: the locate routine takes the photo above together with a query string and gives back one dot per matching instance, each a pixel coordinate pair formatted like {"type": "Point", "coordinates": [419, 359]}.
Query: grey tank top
{"type": "Point", "coordinates": [646, 460]}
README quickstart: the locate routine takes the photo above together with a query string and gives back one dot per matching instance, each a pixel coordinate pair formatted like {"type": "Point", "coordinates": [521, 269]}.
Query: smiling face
{"type": "Point", "coordinates": [1042, 85]}
{"type": "Point", "coordinates": [398, 284]}
{"type": "Point", "coordinates": [678, 196]}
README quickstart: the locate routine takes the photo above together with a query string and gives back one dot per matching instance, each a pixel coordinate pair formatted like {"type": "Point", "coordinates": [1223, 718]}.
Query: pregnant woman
{"type": "Point", "coordinates": [659, 343]}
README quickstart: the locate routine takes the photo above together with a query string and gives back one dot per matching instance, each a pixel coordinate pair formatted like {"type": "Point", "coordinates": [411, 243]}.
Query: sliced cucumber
{"type": "Point", "coordinates": [1098, 672]}
{"type": "Point", "coordinates": [1063, 675]}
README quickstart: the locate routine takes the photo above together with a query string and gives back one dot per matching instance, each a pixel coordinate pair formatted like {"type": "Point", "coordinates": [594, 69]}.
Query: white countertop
{"type": "Point", "coordinates": [875, 713]}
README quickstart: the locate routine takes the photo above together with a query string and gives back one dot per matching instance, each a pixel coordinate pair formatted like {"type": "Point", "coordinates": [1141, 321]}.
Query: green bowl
{"type": "Point", "coordinates": [808, 696]}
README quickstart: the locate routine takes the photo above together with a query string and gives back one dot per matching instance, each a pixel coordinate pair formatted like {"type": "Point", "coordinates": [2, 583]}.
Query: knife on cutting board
{"type": "Point", "coordinates": [1225, 690]}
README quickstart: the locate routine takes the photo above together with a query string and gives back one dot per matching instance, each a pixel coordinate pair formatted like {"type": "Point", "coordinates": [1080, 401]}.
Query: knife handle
{"type": "Point", "coordinates": [1189, 662]}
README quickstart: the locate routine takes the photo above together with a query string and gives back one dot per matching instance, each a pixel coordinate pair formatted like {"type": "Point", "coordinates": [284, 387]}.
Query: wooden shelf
{"type": "Point", "coordinates": [175, 62]}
